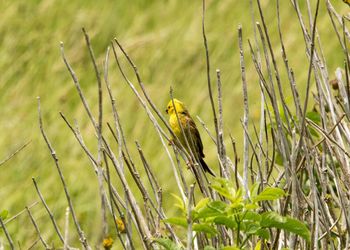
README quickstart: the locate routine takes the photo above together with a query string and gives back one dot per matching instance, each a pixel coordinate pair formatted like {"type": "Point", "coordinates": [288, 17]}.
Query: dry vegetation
{"type": "Point", "coordinates": [299, 147]}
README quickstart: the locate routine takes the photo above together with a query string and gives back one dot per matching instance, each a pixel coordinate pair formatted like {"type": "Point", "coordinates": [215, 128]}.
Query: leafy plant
{"type": "Point", "coordinates": [244, 217]}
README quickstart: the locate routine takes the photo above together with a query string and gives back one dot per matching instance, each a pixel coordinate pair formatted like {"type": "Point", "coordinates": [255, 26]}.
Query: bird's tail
{"type": "Point", "coordinates": [205, 167]}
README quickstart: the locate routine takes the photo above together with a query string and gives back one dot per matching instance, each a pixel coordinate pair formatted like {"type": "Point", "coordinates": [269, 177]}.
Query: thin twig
{"type": "Point", "coordinates": [7, 234]}
{"type": "Point", "coordinates": [112, 207]}
{"type": "Point", "coordinates": [246, 114]}
{"type": "Point", "coordinates": [48, 211]}
{"type": "Point", "coordinates": [33, 244]}
{"type": "Point", "coordinates": [220, 144]}
{"type": "Point", "coordinates": [70, 204]}
{"type": "Point", "coordinates": [208, 71]}
{"type": "Point", "coordinates": [66, 229]}
{"type": "Point", "coordinates": [303, 121]}
{"type": "Point", "coordinates": [99, 136]}
{"type": "Point", "coordinates": [37, 229]}
{"type": "Point", "coordinates": [14, 153]}
{"type": "Point", "coordinates": [189, 217]}
{"type": "Point", "coordinates": [21, 212]}
{"type": "Point", "coordinates": [77, 85]}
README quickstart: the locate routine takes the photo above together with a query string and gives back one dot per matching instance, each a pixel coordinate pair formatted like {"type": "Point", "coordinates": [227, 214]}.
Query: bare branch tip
{"type": "Point", "coordinates": [62, 115]}
{"type": "Point", "coordinates": [116, 41]}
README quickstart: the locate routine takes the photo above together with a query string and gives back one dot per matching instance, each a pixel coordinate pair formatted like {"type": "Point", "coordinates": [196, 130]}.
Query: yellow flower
{"type": "Point", "coordinates": [190, 132]}
{"type": "Point", "coordinates": [120, 225]}
{"type": "Point", "coordinates": [107, 242]}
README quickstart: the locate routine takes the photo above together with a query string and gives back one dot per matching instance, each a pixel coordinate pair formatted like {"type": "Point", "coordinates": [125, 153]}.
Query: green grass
{"type": "Point", "coordinates": [165, 41]}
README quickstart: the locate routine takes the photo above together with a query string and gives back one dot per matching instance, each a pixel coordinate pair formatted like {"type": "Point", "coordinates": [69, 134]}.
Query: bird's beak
{"type": "Point", "coordinates": [166, 111]}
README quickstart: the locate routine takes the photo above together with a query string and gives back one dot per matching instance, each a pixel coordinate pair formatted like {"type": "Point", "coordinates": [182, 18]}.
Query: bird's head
{"type": "Point", "coordinates": [179, 106]}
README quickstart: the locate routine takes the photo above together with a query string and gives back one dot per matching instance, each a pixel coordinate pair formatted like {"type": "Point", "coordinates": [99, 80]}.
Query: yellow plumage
{"type": "Point", "coordinates": [189, 133]}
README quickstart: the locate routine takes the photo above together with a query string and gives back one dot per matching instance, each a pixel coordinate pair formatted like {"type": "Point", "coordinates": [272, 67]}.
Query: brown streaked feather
{"type": "Point", "coordinates": [193, 136]}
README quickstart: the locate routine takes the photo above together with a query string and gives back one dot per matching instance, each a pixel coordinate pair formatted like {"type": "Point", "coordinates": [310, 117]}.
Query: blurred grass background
{"type": "Point", "coordinates": [164, 39]}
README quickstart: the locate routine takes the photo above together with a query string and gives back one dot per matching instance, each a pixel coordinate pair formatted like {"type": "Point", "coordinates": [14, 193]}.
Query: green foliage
{"type": "Point", "coordinates": [273, 219]}
{"type": "Point", "coordinates": [205, 228]}
{"type": "Point", "coordinates": [240, 215]}
{"type": "Point", "coordinates": [4, 214]}
{"type": "Point", "coordinates": [179, 221]}
{"type": "Point", "coordinates": [167, 243]}
{"type": "Point", "coordinates": [269, 194]}
{"type": "Point", "coordinates": [314, 116]}
{"type": "Point", "coordinates": [179, 204]}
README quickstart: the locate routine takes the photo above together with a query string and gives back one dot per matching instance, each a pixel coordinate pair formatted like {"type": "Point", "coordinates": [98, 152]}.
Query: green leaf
{"type": "Point", "coordinates": [204, 228]}
{"type": "Point", "coordinates": [221, 190]}
{"type": "Point", "coordinates": [167, 243]}
{"type": "Point", "coordinates": [269, 193]}
{"type": "Point", "coordinates": [201, 204]}
{"type": "Point", "coordinates": [252, 216]}
{"type": "Point", "coordinates": [179, 221]}
{"type": "Point", "coordinates": [279, 158]}
{"type": "Point", "coordinates": [263, 233]}
{"type": "Point", "coordinates": [238, 197]}
{"type": "Point", "coordinates": [219, 206]}
{"type": "Point", "coordinates": [226, 221]}
{"type": "Point", "coordinates": [226, 189]}
{"type": "Point", "coordinates": [273, 219]}
{"type": "Point", "coordinates": [314, 116]}
{"type": "Point", "coordinates": [251, 206]}
{"type": "Point", "coordinates": [254, 190]}
{"type": "Point", "coordinates": [180, 204]}
{"type": "Point", "coordinates": [4, 214]}
{"type": "Point", "coordinates": [213, 208]}
{"type": "Point", "coordinates": [251, 228]}
{"type": "Point", "coordinates": [313, 132]}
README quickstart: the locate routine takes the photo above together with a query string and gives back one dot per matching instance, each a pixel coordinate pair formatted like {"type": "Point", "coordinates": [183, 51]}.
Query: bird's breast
{"type": "Point", "coordinates": [175, 125]}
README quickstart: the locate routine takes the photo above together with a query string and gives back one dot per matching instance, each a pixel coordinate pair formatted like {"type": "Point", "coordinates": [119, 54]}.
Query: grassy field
{"type": "Point", "coordinates": [164, 38]}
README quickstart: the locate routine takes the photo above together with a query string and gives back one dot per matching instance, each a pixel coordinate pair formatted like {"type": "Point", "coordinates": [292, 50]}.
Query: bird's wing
{"type": "Point", "coordinates": [193, 136]}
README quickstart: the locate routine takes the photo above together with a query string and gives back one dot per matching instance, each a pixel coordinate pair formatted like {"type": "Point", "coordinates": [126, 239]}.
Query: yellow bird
{"type": "Point", "coordinates": [347, 2]}
{"type": "Point", "coordinates": [190, 132]}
